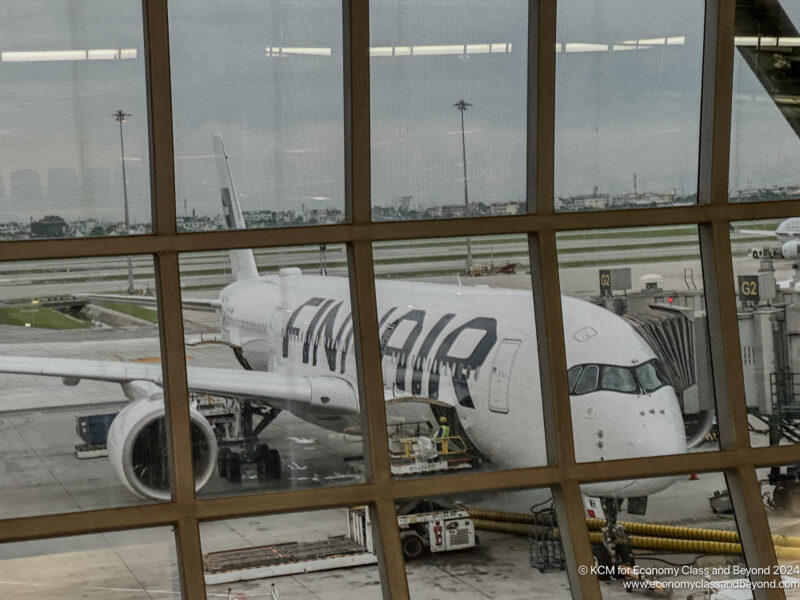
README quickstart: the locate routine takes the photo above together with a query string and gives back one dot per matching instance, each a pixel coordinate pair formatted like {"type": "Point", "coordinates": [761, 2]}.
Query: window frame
{"type": "Point", "coordinates": [712, 215]}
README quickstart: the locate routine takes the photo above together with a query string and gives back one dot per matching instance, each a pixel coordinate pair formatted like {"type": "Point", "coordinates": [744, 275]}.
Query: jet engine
{"type": "Point", "coordinates": [137, 448]}
{"type": "Point", "coordinates": [791, 249]}
{"type": "Point", "coordinates": [698, 426]}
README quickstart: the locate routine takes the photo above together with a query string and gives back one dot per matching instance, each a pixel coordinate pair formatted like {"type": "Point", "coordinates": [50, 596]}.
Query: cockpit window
{"type": "Point", "coordinates": [588, 380]}
{"type": "Point", "coordinates": [651, 376]}
{"type": "Point", "coordinates": [572, 376]}
{"type": "Point", "coordinates": [618, 379]}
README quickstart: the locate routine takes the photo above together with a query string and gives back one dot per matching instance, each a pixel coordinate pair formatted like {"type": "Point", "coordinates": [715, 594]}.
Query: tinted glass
{"type": "Point", "coordinates": [458, 342]}
{"type": "Point", "coordinates": [633, 303]}
{"type": "Point", "coordinates": [74, 100]}
{"type": "Point", "coordinates": [447, 108]}
{"type": "Point", "coordinates": [266, 77]}
{"type": "Point", "coordinates": [765, 147]}
{"type": "Point", "coordinates": [324, 553]}
{"type": "Point", "coordinates": [617, 379]}
{"type": "Point", "coordinates": [499, 544]}
{"type": "Point", "coordinates": [115, 565]}
{"type": "Point", "coordinates": [271, 368]}
{"type": "Point", "coordinates": [588, 380]}
{"type": "Point", "coordinates": [91, 434]}
{"type": "Point", "coordinates": [627, 124]}
{"type": "Point", "coordinates": [764, 255]}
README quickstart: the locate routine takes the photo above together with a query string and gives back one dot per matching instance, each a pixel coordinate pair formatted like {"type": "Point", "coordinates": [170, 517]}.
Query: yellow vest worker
{"type": "Point", "coordinates": [444, 429]}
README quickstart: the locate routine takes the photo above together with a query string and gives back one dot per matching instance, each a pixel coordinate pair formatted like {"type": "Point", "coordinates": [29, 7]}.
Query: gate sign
{"type": "Point", "coordinates": [748, 288]}
{"type": "Point", "coordinates": [605, 282]}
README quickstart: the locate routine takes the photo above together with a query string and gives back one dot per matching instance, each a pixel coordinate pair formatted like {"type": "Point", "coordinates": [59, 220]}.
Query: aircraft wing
{"type": "Point", "coordinates": [210, 304]}
{"type": "Point", "coordinates": [320, 396]}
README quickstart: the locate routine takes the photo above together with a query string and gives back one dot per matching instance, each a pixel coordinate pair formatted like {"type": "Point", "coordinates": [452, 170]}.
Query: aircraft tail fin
{"type": "Point", "coordinates": [243, 263]}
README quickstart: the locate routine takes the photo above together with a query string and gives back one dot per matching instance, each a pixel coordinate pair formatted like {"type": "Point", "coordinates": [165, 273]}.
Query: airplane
{"type": "Point", "coordinates": [467, 353]}
{"type": "Point", "coordinates": [788, 232]}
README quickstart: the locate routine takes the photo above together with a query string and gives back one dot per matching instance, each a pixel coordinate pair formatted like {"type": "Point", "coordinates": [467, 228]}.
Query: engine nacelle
{"type": "Point", "coordinates": [137, 448]}
{"type": "Point", "coordinates": [791, 249]}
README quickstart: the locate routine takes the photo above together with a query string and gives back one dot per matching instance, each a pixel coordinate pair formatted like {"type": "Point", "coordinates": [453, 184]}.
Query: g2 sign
{"type": "Point", "coordinates": [748, 288]}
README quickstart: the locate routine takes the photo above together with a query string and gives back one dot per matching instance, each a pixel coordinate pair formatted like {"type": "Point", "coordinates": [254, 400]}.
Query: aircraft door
{"type": "Point", "coordinates": [501, 375]}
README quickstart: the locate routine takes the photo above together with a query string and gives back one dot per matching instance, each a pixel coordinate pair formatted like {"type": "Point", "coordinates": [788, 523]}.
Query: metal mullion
{"type": "Point", "coordinates": [389, 231]}
{"type": "Point", "coordinates": [754, 532]}
{"type": "Point", "coordinates": [355, 23]}
{"type": "Point", "coordinates": [176, 405]}
{"type": "Point", "coordinates": [173, 361]}
{"type": "Point", "coordinates": [549, 325]}
{"type": "Point", "coordinates": [159, 106]}
{"type": "Point", "coordinates": [715, 108]}
{"type": "Point", "coordinates": [190, 559]}
{"type": "Point", "coordinates": [556, 409]}
{"type": "Point", "coordinates": [575, 540]}
{"type": "Point", "coordinates": [92, 521]}
{"type": "Point", "coordinates": [723, 327]}
{"type": "Point", "coordinates": [373, 418]}
{"type": "Point", "coordinates": [541, 105]}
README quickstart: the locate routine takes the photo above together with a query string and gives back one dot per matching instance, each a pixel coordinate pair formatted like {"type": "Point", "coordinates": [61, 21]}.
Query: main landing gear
{"type": "Point", "coordinates": [237, 435]}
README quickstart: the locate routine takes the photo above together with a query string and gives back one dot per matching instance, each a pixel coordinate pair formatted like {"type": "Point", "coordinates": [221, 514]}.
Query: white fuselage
{"type": "Point", "coordinates": [789, 229]}
{"type": "Point", "coordinates": [472, 348]}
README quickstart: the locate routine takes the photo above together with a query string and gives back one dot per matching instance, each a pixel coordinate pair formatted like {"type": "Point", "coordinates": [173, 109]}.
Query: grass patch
{"type": "Point", "coordinates": [133, 310]}
{"type": "Point", "coordinates": [39, 316]}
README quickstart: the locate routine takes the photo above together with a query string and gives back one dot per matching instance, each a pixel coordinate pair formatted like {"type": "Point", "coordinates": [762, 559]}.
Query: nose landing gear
{"type": "Point", "coordinates": [614, 554]}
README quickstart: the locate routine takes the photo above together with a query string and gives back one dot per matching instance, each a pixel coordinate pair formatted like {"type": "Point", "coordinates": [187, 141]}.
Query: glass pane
{"type": "Point", "coordinates": [680, 539]}
{"type": "Point", "coordinates": [272, 371]}
{"type": "Point", "coordinates": [140, 563]}
{"type": "Point", "coordinates": [460, 362]}
{"type": "Point", "coordinates": [779, 486]}
{"type": "Point", "coordinates": [73, 82]}
{"type": "Point", "coordinates": [637, 342]}
{"type": "Point", "coordinates": [448, 108]}
{"type": "Point", "coordinates": [765, 271]}
{"type": "Point", "coordinates": [765, 149]}
{"type": "Point", "coordinates": [498, 545]}
{"type": "Point", "coordinates": [627, 103]}
{"type": "Point", "coordinates": [64, 319]}
{"type": "Point", "coordinates": [319, 554]}
{"type": "Point", "coordinates": [267, 77]}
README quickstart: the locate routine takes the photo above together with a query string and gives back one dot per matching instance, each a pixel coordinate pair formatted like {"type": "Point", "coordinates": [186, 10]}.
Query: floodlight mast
{"type": "Point", "coordinates": [461, 105]}
{"type": "Point", "coordinates": [120, 116]}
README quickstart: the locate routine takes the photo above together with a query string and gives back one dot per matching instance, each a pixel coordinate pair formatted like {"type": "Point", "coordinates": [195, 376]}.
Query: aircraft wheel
{"type": "Point", "coordinates": [755, 254]}
{"type": "Point", "coordinates": [602, 558]}
{"type": "Point", "coordinates": [234, 464]}
{"type": "Point", "coordinates": [262, 461]}
{"type": "Point", "coordinates": [222, 462]}
{"type": "Point", "coordinates": [273, 464]}
{"type": "Point", "coordinates": [412, 545]}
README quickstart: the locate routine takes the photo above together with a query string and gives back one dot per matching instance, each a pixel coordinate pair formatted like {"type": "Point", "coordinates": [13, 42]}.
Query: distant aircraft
{"type": "Point", "coordinates": [788, 232]}
{"type": "Point", "coordinates": [468, 353]}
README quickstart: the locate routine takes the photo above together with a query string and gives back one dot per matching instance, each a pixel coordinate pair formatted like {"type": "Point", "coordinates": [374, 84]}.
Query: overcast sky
{"type": "Point", "coordinates": [618, 113]}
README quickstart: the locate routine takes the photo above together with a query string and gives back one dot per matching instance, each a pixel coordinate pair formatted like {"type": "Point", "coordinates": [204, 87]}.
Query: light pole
{"type": "Point", "coordinates": [462, 106]}
{"type": "Point", "coordinates": [120, 116]}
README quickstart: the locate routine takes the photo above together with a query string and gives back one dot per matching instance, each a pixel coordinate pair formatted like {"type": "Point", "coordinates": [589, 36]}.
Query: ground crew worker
{"type": "Point", "coordinates": [444, 429]}
{"type": "Point", "coordinates": [442, 433]}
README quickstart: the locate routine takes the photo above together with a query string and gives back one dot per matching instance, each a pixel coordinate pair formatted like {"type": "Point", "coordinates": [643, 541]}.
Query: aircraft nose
{"type": "Point", "coordinates": [615, 426]}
